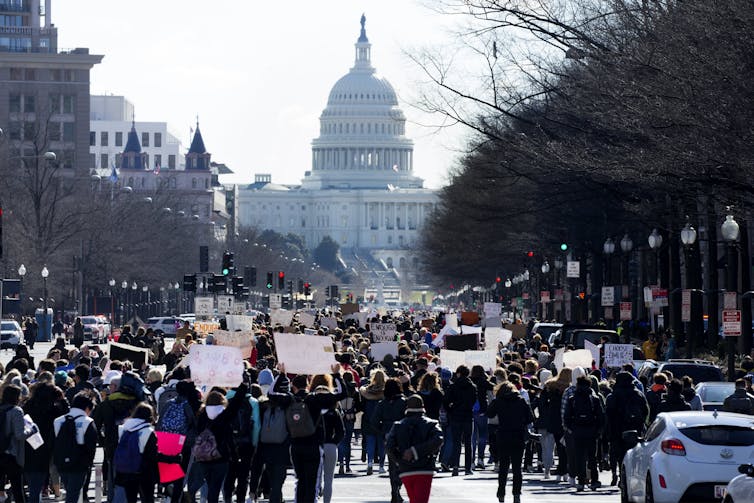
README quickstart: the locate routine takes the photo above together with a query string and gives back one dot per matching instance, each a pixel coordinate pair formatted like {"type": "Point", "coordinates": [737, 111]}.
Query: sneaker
{"type": "Point", "coordinates": [382, 469]}
{"type": "Point", "coordinates": [444, 467]}
{"type": "Point", "coordinates": [558, 479]}
{"type": "Point", "coordinates": [370, 470]}
{"type": "Point", "coordinates": [547, 474]}
{"type": "Point", "coordinates": [348, 469]}
{"type": "Point", "coordinates": [341, 470]}
{"type": "Point", "coordinates": [455, 472]}
{"type": "Point", "coordinates": [614, 480]}
{"type": "Point", "coordinates": [480, 465]}
{"type": "Point", "coordinates": [580, 488]}
{"type": "Point", "coordinates": [571, 481]}
{"type": "Point", "coordinates": [594, 486]}
{"type": "Point", "coordinates": [516, 498]}
{"type": "Point", "coordinates": [469, 472]}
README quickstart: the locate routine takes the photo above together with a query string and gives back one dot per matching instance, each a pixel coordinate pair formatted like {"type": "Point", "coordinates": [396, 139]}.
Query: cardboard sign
{"type": "Point", "coordinates": [380, 349]}
{"type": "Point", "coordinates": [594, 349]}
{"type": "Point", "coordinates": [306, 319]}
{"type": "Point", "coordinates": [427, 323]}
{"type": "Point", "coordinates": [462, 342]}
{"type": "Point", "coordinates": [281, 317]}
{"type": "Point", "coordinates": [240, 340]}
{"type": "Point", "coordinates": [383, 332]}
{"type": "Point", "coordinates": [125, 352]}
{"type": "Point", "coordinates": [618, 354]}
{"type": "Point", "coordinates": [349, 308]}
{"type": "Point", "coordinates": [495, 335]}
{"type": "Point", "coordinates": [305, 355]}
{"type": "Point", "coordinates": [492, 309]}
{"type": "Point", "coordinates": [518, 331]}
{"type": "Point", "coordinates": [469, 318]}
{"type": "Point", "coordinates": [206, 327]}
{"type": "Point", "coordinates": [235, 322]}
{"type": "Point", "coordinates": [215, 366]}
{"type": "Point", "coordinates": [579, 358]}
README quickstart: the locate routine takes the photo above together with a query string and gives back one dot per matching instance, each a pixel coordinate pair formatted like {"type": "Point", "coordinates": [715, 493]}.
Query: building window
{"type": "Point", "coordinates": [390, 240]}
{"type": "Point", "coordinates": [92, 138]}
{"type": "Point", "coordinates": [206, 183]}
{"type": "Point", "coordinates": [303, 222]}
{"type": "Point", "coordinates": [29, 104]}
{"type": "Point", "coordinates": [53, 131]}
{"type": "Point", "coordinates": [67, 104]}
{"type": "Point", "coordinates": [144, 139]}
{"type": "Point", "coordinates": [16, 73]}
{"type": "Point", "coordinates": [158, 160]}
{"type": "Point", "coordinates": [171, 161]}
{"type": "Point", "coordinates": [69, 133]}
{"type": "Point", "coordinates": [389, 260]}
{"type": "Point", "coordinates": [119, 139]}
{"type": "Point", "coordinates": [30, 131]}
{"type": "Point", "coordinates": [158, 140]}
{"type": "Point", "coordinates": [103, 163]}
{"type": "Point", "coordinates": [130, 181]}
{"type": "Point", "coordinates": [56, 75]}
{"type": "Point", "coordinates": [69, 158]}
{"type": "Point", "coordinates": [103, 139]}
{"type": "Point", "coordinates": [193, 183]}
{"type": "Point", "coordinates": [14, 103]}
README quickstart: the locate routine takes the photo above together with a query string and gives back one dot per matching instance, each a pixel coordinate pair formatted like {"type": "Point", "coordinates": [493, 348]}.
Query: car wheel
{"type": "Point", "coordinates": [649, 496]}
{"type": "Point", "coordinates": [623, 486]}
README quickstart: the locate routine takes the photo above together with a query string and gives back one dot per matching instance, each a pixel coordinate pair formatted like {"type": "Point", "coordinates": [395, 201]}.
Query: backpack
{"type": "Point", "coordinates": [335, 430]}
{"type": "Point", "coordinates": [68, 454]}
{"type": "Point", "coordinates": [633, 416]}
{"type": "Point", "coordinates": [583, 410]}
{"type": "Point", "coordinates": [243, 424]}
{"type": "Point", "coordinates": [205, 447]}
{"type": "Point", "coordinates": [132, 384]}
{"type": "Point", "coordinates": [174, 419]}
{"type": "Point", "coordinates": [128, 456]}
{"type": "Point", "coordinates": [274, 426]}
{"type": "Point", "coordinates": [299, 420]}
{"type": "Point", "coordinates": [168, 394]}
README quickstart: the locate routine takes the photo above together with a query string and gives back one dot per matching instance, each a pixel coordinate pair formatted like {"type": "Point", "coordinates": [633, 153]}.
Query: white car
{"type": "Point", "coordinates": [11, 334]}
{"type": "Point", "coordinates": [165, 325]}
{"type": "Point", "coordinates": [689, 456]}
{"type": "Point", "coordinates": [741, 488]}
{"type": "Point", "coordinates": [94, 329]}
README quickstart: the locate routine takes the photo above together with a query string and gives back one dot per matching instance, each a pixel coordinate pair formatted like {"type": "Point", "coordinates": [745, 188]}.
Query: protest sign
{"type": "Point", "coordinates": [465, 329]}
{"type": "Point", "coordinates": [306, 319]}
{"type": "Point", "coordinates": [328, 322]}
{"type": "Point", "coordinates": [169, 444]}
{"type": "Point", "coordinates": [281, 317]}
{"type": "Point", "coordinates": [579, 358]}
{"type": "Point", "coordinates": [305, 355]}
{"type": "Point", "coordinates": [439, 341]}
{"type": "Point", "coordinates": [125, 352]}
{"type": "Point", "coordinates": [487, 359]}
{"type": "Point", "coordinates": [239, 322]}
{"type": "Point", "coordinates": [492, 309]}
{"type": "Point", "coordinates": [558, 360]}
{"type": "Point", "coordinates": [310, 331]}
{"type": "Point", "coordinates": [383, 332]}
{"type": "Point", "coordinates": [362, 319]}
{"type": "Point", "coordinates": [240, 340]}
{"type": "Point", "coordinates": [494, 335]}
{"type": "Point", "coordinates": [462, 342]}
{"type": "Point", "coordinates": [451, 360]}
{"type": "Point", "coordinates": [215, 366]}
{"type": "Point", "coordinates": [427, 323]}
{"type": "Point", "coordinates": [380, 349]}
{"type": "Point", "coordinates": [349, 308]}
{"type": "Point", "coordinates": [493, 322]}
{"type": "Point", "coordinates": [205, 327]}
{"type": "Point", "coordinates": [519, 331]}
{"type": "Point", "coordinates": [618, 354]}
{"type": "Point", "coordinates": [451, 320]}
{"type": "Point", "coordinates": [594, 349]}
{"type": "Point", "coordinates": [469, 318]}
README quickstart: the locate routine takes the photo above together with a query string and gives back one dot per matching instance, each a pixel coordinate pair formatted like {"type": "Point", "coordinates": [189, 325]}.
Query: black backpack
{"type": "Point", "coordinates": [633, 416]}
{"type": "Point", "coordinates": [243, 424]}
{"type": "Point", "coordinates": [4, 435]}
{"type": "Point", "coordinates": [334, 428]}
{"type": "Point", "coordinates": [68, 454]}
{"type": "Point", "coordinates": [583, 410]}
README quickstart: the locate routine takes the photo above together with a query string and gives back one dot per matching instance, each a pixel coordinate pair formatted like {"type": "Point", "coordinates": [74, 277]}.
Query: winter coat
{"type": "Point", "coordinates": [740, 401]}
{"type": "Point", "coordinates": [673, 403]}
{"type": "Point", "coordinates": [221, 426]}
{"type": "Point", "coordinates": [14, 427]}
{"type": "Point", "coordinates": [46, 403]}
{"type": "Point", "coordinates": [626, 408]}
{"type": "Point", "coordinates": [109, 414]}
{"type": "Point", "coordinates": [388, 411]}
{"type": "Point", "coordinates": [596, 420]}
{"type": "Point", "coordinates": [549, 409]}
{"type": "Point", "coordinates": [86, 435]}
{"type": "Point", "coordinates": [483, 386]}
{"type": "Point", "coordinates": [432, 402]}
{"type": "Point", "coordinates": [420, 434]}
{"type": "Point", "coordinates": [148, 450]}
{"type": "Point", "coordinates": [460, 399]}
{"type": "Point", "coordinates": [513, 415]}
{"type": "Point", "coordinates": [316, 402]}
{"type": "Point", "coordinates": [371, 396]}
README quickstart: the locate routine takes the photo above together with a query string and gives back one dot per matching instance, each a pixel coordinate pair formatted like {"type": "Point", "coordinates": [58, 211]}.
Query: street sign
{"type": "Point", "coordinates": [686, 305]}
{"type": "Point", "coordinates": [730, 300]}
{"type": "Point", "coordinates": [731, 323]}
{"type": "Point", "coordinates": [573, 269]}
{"type": "Point", "coordinates": [239, 307]}
{"type": "Point", "coordinates": [608, 296]}
{"type": "Point", "coordinates": [625, 311]}
{"type": "Point", "coordinates": [225, 304]}
{"type": "Point", "coordinates": [203, 306]}
{"type": "Point", "coordinates": [276, 300]}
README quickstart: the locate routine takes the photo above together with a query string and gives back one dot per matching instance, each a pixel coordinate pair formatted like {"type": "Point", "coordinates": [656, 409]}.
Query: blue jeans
{"type": "Point", "coordinates": [446, 455]}
{"type": "Point", "coordinates": [461, 431]}
{"type": "Point", "coordinates": [344, 447]}
{"type": "Point", "coordinates": [479, 437]}
{"type": "Point", "coordinates": [73, 482]}
{"type": "Point", "coordinates": [214, 476]}
{"type": "Point", "coordinates": [36, 481]}
{"type": "Point", "coordinates": [375, 446]}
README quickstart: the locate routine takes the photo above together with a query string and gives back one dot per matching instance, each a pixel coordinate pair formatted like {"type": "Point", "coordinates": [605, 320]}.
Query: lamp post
{"type": "Point", "coordinates": [45, 273]}
{"type": "Point", "coordinates": [145, 300]}
{"type": "Point", "coordinates": [112, 301]}
{"type": "Point", "coordinates": [558, 263]}
{"type": "Point", "coordinates": [730, 232]}
{"type": "Point", "coordinates": [134, 286]}
{"type": "Point", "coordinates": [688, 238]}
{"type": "Point", "coordinates": [626, 246]}
{"type": "Point", "coordinates": [655, 242]}
{"type": "Point", "coordinates": [608, 248]}
{"type": "Point", "coordinates": [122, 301]}
{"type": "Point", "coordinates": [21, 274]}
{"type": "Point", "coordinates": [546, 274]}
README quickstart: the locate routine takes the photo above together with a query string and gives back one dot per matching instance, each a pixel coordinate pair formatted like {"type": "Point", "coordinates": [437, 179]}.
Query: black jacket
{"type": "Point", "coordinates": [315, 402]}
{"type": "Point", "coordinates": [483, 385]}
{"type": "Point", "coordinates": [673, 403]}
{"type": "Point", "coordinates": [626, 407]}
{"type": "Point", "coordinates": [549, 403]}
{"type": "Point", "coordinates": [460, 398]}
{"type": "Point", "coordinates": [420, 434]}
{"type": "Point", "coordinates": [596, 419]}
{"type": "Point", "coordinates": [513, 414]}
{"type": "Point", "coordinates": [46, 403]}
{"type": "Point", "coordinates": [432, 402]}
{"type": "Point", "coordinates": [221, 426]}
{"type": "Point", "coordinates": [388, 411]}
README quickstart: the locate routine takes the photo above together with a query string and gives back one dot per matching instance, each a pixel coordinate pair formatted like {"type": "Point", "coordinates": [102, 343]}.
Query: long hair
{"type": "Point", "coordinates": [429, 381]}
{"type": "Point", "coordinates": [321, 380]}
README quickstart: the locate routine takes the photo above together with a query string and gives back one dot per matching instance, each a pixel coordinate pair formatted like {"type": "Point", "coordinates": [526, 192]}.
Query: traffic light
{"type": "Point", "coordinates": [237, 285]}
{"type": "Point", "coordinates": [189, 282]}
{"type": "Point", "coordinates": [563, 246]}
{"type": "Point", "coordinates": [301, 286]}
{"type": "Point", "coordinates": [530, 254]}
{"type": "Point", "coordinates": [498, 280]}
{"type": "Point", "coordinates": [307, 288]}
{"type": "Point", "coordinates": [290, 289]}
{"type": "Point", "coordinates": [227, 268]}
{"type": "Point", "coordinates": [281, 280]}
{"type": "Point", "coordinates": [204, 259]}
{"type": "Point", "coordinates": [269, 281]}
{"type": "Point", "coordinates": [217, 283]}
{"type": "Point", "coordinates": [334, 291]}
{"type": "Point", "coordinates": [250, 276]}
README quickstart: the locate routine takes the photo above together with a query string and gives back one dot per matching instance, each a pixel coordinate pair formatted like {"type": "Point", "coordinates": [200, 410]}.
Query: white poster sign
{"type": "Point", "coordinates": [240, 340]}
{"type": "Point", "coordinates": [558, 360]}
{"type": "Point", "coordinates": [579, 358]}
{"type": "Point", "coordinates": [203, 306]}
{"type": "Point", "coordinates": [383, 332]}
{"type": "Point", "coordinates": [594, 349]}
{"type": "Point", "coordinates": [235, 323]}
{"type": "Point", "coordinates": [215, 365]}
{"type": "Point", "coordinates": [451, 360]}
{"type": "Point", "coordinates": [306, 319]}
{"type": "Point", "coordinates": [440, 339]}
{"type": "Point", "coordinates": [496, 322]}
{"type": "Point", "coordinates": [496, 335]}
{"type": "Point", "coordinates": [487, 359]}
{"type": "Point", "coordinates": [281, 317]}
{"type": "Point", "coordinates": [305, 355]}
{"type": "Point", "coordinates": [328, 322]}
{"type": "Point", "coordinates": [492, 309]}
{"type": "Point", "coordinates": [467, 330]}
{"type": "Point", "coordinates": [310, 331]}
{"type": "Point", "coordinates": [380, 349]}
{"type": "Point", "coordinates": [618, 354]}
{"type": "Point", "coordinates": [362, 318]}
{"type": "Point", "coordinates": [276, 301]}
{"type": "Point", "coordinates": [239, 307]}
{"type": "Point", "coordinates": [451, 320]}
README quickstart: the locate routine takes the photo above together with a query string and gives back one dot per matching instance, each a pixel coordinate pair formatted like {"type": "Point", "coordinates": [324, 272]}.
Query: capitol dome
{"type": "Point", "coordinates": [362, 142]}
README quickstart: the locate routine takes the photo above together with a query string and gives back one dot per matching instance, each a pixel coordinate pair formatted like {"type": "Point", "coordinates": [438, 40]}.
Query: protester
{"type": "Point", "coordinates": [740, 401]}
{"type": "Point", "coordinates": [75, 445]}
{"type": "Point", "coordinates": [135, 459]}
{"type": "Point", "coordinates": [459, 400]}
{"type": "Point", "coordinates": [584, 418]}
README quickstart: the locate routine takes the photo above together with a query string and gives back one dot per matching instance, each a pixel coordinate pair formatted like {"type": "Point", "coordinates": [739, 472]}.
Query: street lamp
{"type": "Point", "coordinates": [545, 267]}
{"type": "Point", "coordinates": [688, 238]}
{"type": "Point", "coordinates": [730, 232]}
{"type": "Point", "coordinates": [609, 249]}
{"type": "Point", "coordinates": [21, 274]}
{"type": "Point", "coordinates": [112, 300]}
{"type": "Point", "coordinates": [45, 273]}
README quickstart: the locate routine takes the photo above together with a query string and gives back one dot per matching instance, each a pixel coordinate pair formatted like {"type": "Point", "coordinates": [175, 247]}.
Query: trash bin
{"type": "Point", "coordinates": [44, 334]}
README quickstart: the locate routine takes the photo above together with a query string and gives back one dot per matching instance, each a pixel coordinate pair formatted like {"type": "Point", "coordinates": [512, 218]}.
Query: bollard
{"type": "Point", "coordinates": [97, 483]}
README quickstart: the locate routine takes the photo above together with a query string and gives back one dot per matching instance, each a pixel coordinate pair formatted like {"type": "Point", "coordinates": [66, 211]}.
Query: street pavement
{"type": "Point", "coordinates": [479, 487]}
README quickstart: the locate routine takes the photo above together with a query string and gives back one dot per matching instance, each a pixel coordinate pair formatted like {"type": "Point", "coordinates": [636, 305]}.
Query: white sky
{"type": "Point", "coordinates": [257, 73]}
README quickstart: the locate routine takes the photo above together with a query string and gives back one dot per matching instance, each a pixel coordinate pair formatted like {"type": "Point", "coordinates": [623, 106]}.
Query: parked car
{"type": "Point", "coordinates": [741, 488]}
{"type": "Point", "coordinates": [593, 335]}
{"type": "Point", "coordinates": [685, 456]}
{"type": "Point", "coordinates": [563, 335]}
{"type": "Point", "coordinates": [94, 329]}
{"type": "Point", "coordinates": [545, 330]}
{"type": "Point", "coordinates": [714, 393]}
{"type": "Point", "coordinates": [11, 334]}
{"type": "Point", "coordinates": [165, 325]}
{"type": "Point", "coordinates": [698, 370]}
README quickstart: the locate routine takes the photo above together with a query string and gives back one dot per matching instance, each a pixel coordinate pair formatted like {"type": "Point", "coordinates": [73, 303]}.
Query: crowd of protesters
{"type": "Point", "coordinates": [410, 416]}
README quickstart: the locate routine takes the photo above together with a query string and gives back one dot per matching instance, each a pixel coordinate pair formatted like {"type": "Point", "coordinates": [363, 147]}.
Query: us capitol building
{"type": "Point", "coordinates": [361, 190]}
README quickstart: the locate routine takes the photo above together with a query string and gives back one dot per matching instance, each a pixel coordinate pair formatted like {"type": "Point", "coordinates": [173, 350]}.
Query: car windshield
{"type": "Point", "coordinates": [722, 434]}
{"type": "Point", "coordinates": [717, 392]}
{"type": "Point", "coordinates": [593, 337]}
{"type": "Point", "coordinates": [153, 321]}
{"type": "Point", "coordinates": [545, 332]}
{"type": "Point", "coordinates": [8, 325]}
{"type": "Point", "coordinates": [89, 321]}
{"type": "Point", "coordinates": [699, 373]}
